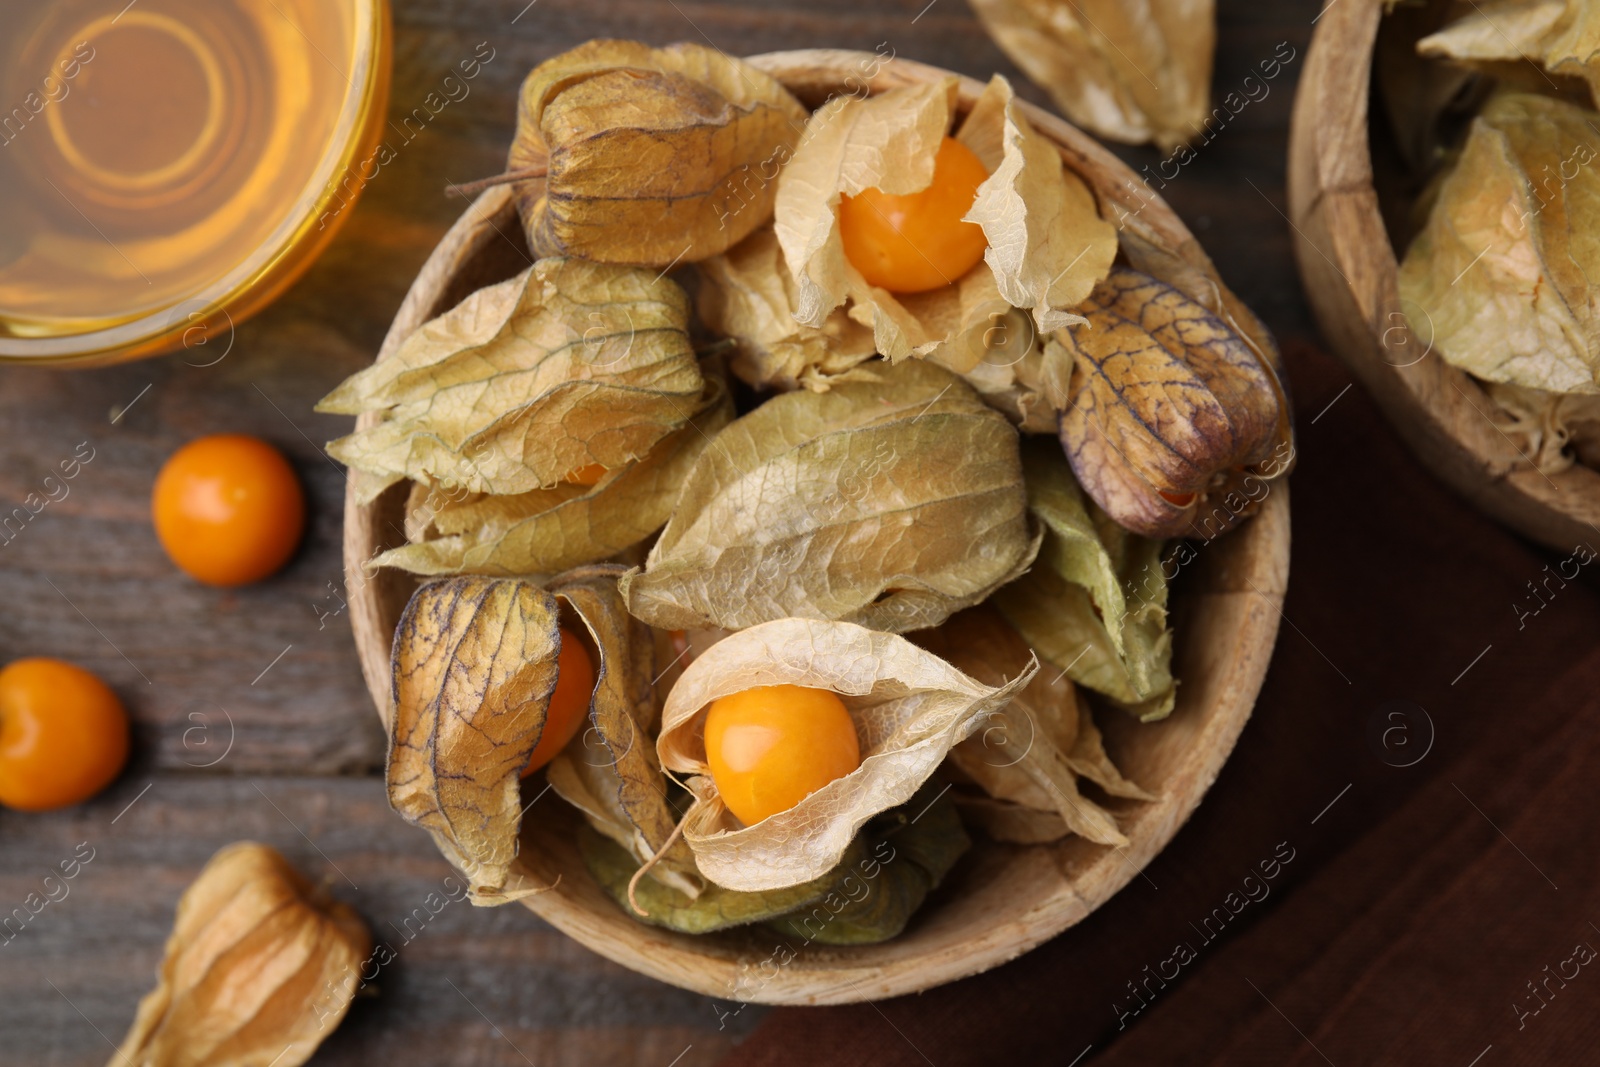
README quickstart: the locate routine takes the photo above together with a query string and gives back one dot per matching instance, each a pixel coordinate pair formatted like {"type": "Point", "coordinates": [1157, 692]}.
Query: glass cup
{"type": "Point", "coordinates": [168, 167]}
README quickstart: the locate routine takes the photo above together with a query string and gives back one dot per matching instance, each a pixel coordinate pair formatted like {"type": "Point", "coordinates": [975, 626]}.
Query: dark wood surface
{"type": "Point", "coordinates": [251, 720]}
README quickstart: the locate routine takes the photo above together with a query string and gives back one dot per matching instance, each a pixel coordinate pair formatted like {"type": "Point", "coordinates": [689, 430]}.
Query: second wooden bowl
{"type": "Point", "coordinates": [1350, 269]}
{"type": "Point", "coordinates": [1001, 900]}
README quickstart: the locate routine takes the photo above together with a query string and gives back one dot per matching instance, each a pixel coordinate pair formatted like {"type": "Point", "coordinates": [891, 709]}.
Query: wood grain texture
{"type": "Point", "coordinates": [466, 986]}
{"type": "Point", "coordinates": [1351, 278]}
{"type": "Point", "coordinates": [1001, 900]}
{"type": "Point", "coordinates": [309, 717]}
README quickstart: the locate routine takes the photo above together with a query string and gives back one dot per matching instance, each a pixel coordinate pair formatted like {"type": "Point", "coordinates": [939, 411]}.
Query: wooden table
{"type": "Point", "coordinates": [250, 718]}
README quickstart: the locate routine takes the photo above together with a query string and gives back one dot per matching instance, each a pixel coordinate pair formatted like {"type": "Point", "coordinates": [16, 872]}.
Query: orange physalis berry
{"type": "Point", "coordinates": [772, 746]}
{"type": "Point", "coordinates": [915, 242]}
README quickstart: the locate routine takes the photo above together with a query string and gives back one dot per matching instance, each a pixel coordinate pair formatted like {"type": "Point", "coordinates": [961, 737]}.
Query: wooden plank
{"type": "Point", "coordinates": [457, 975]}
{"type": "Point", "coordinates": [97, 589]}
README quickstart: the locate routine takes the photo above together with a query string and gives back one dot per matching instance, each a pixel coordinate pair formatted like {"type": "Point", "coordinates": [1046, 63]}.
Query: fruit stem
{"type": "Point", "coordinates": [474, 188]}
{"type": "Point", "coordinates": [633, 883]}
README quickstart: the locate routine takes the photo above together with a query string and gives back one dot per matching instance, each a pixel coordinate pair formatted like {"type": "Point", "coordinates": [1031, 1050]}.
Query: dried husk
{"type": "Point", "coordinates": [913, 847]}
{"type": "Point", "coordinates": [1003, 820]}
{"type": "Point", "coordinates": [1029, 820]}
{"type": "Point", "coordinates": [1048, 245]}
{"type": "Point", "coordinates": [259, 968]}
{"type": "Point", "coordinates": [566, 365]}
{"type": "Point", "coordinates": [1552, 431]}
{"type": "Point", "coordinates": [1189, 271]}
{"type": "Point", "coordinates": [1095, 605]}
{"type": "Point", "coordinates": [1021, 373]}
{"type": "Point", "coordinates": [1574, 49]}
{"type": "Point", "coordinates": [1165, 407]}
{"type": "Point", "coordinates": [1023, 754]}
{"type": "Point", "coordinates": [475, 664]}
{"type": "Point", "coordinates": [748, 295]}
{"type": "Point", "coordinates": [611, 773]}
{"type": "Point", "coordinates": [886, 873]}
{"type": "Point", "coordinates": [1019, 382]}
{"type": "Point", "coordinates": [1561, 36]}
{"type": "Point", "coordinates": [654, 156]}
{"type": "Point", "coordinates": [1503, 271]}
{"type": "Point", "coordinates": [1129, 70]}
{"type": "Point", "coordinates": [546, 531]}
{"type": "Point", "coordinates": [474, 668]}
{"type": "Point", "coordinates": [909, 707]}
{"type": "Point", "coordinates": [1090, 760]}
{"type": "Point", "coordinates": [889, 503]}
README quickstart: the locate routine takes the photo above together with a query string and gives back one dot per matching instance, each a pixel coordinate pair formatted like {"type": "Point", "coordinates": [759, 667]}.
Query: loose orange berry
{"type": "Point", "coordinates": [916, 242]}
{"type": "Point", "coordinates": [771, 747]}
{"type": "Point", "coordinates": [228, 509]}
{"type": "Point", "coordinates": [63, 735]}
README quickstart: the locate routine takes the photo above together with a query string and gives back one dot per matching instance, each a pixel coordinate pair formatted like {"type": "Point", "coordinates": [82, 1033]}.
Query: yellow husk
{"type": "Point", "coordinates": [1023, 755]}
{"type": "Point", "coordinates": [475, 665]}
{"type": "Point", "coordinates": [566, 365]}
{"type": "Point", "coordinates": [1129, 70]}
{"type": "Point", "coordinates": [748, 295]}
{"type": "Point", "coordinates": [909, 707]}
{"type": "Point", "coordinates": [1048, 245]}
{"type": "Point", "coordinates": [260, 967]}
{"type": "Point", "coordinates": [1561, 36]}
{"type": "Point", "coordinates": [1501, 276]}
{"type": "Point", "coordinates": [890, 503]}
{"type": "Point", "coordinates": [656, 156]}
{"type": "Point", "coordinates": [546, 531]}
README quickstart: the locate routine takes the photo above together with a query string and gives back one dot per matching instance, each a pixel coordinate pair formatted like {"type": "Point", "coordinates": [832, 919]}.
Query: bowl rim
{"type": "Point", "coordinates": [1247, 577]}
{"type": "Point", "coordinates": [269, 269]}
{"type": "Point", "coordinates": [1349, 269]}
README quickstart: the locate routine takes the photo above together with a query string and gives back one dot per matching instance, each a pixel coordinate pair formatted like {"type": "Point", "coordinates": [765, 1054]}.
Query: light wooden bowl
{"type": "Point", "coordinates": [1001, 900]}
{"type": "Point", "coordinates": [1350, 270]}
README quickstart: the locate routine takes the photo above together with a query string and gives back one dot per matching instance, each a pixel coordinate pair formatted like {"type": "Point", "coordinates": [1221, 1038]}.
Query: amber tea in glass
{"type": "Point", "coordinates": [168, 166]}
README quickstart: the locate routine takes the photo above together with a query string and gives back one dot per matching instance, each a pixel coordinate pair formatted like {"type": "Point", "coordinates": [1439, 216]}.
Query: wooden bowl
{"type": "Point", "coordinates": [1002, 900]}
{"type": "Point", "coordinates": [1349, 266]}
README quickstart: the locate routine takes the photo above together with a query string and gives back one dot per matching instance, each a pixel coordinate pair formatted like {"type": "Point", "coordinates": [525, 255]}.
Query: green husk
{"type": "Point", "coordinates": [884, 877]}
{"type": "Point", "coordinates": [1095, 604]}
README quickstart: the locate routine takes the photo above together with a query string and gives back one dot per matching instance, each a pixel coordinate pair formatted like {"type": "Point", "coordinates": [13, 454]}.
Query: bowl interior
{"type": "Point", "coordinates": [1417, 108]}
{"type": "Point", "coordinates": [1001, 900]}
